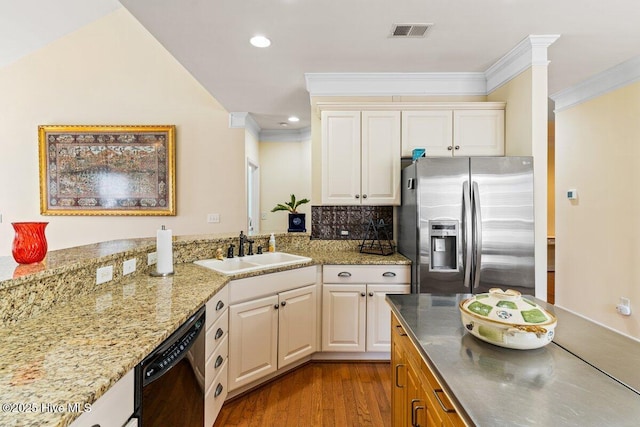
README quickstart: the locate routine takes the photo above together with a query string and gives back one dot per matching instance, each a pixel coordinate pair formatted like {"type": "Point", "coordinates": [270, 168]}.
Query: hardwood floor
{"type": "Point", "coordinates": [317, 394]}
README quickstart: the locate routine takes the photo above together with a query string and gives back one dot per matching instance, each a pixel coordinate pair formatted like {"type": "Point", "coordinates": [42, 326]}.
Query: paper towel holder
{"type": "Point", "coordinates": [156, 273]}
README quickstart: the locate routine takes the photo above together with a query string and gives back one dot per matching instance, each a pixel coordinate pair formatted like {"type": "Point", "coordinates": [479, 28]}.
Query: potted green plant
{"type": "Point", "coordinates": [296, 219]}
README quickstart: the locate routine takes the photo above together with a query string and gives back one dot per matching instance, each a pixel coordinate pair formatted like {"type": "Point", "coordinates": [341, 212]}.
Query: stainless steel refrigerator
{"type": "Point", "coordinates": [467, 224]}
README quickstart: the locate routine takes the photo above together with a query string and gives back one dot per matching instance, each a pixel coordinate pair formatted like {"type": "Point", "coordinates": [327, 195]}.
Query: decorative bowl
{"type": "Point", "coordinates": [506, 319]}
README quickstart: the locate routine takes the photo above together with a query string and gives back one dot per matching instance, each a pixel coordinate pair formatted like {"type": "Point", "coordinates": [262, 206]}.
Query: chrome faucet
{"type": "Point", "coordinates": [244, 239]}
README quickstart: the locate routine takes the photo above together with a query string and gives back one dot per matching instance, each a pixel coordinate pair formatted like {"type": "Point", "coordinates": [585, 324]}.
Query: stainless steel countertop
{"type": "Point", "coordinates": [494, 386]}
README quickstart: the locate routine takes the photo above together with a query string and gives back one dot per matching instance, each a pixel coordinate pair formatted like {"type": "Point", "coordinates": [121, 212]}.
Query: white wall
{"type": "Point", "coordinates": [597, 152]}
{"type": "Point", "coordinates": [114, 72]}
{"type": "Point", "coordinates": [285, 169]}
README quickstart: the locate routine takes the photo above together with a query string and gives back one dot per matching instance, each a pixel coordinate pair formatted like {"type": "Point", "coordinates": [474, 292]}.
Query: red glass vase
{"type": "Point", "coordinates": [29, 243]}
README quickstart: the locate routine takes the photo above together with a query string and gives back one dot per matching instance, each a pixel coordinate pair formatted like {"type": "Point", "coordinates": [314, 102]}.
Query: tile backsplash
{"type": "Point", "coordinates": [330, 222]}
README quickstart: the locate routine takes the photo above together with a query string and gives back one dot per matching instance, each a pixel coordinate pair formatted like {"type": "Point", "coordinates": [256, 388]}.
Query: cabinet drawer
{"type": "Point", "coordinates": [216, 362]}
{"type": "Point", "coordinates": [366, 274]}
{"type": "Point", "coordinates": [217, 305]}
{"type": "Point", "coordinates": [215, 396]}
{"type": "Point", "coordinates": [217, 333]}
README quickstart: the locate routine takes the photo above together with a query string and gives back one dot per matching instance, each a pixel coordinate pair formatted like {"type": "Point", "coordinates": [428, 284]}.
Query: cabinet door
{"type": "Point", "coordinates": [398, 376]}
{"type": "Point", "coordinates": [431, 130]}
{"type": "Point", "coordinates": [380, 158]}
{"type": "Point", "coordinates": [340, 157]}
{"type": "Point", "coordinates": [343, 317]}
{"type": "Point", "coordinates": [298, 319]}
{"type": "Point", "coordinates": [417, 401]}
{"type": "Point", "coordinates": [379, 315]}
{"type": "Point", "coordinates": [253, 340]}
{"type": "Point", "coordinates": [478, 132]}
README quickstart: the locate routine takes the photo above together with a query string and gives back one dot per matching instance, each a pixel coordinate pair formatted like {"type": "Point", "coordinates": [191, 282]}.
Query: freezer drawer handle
{"type": "Point", "coordinates": [388, 274]}
{"type": "Point", "coordinates": [344, 274]}
{"type": "Point", "coordinates": [444, 408]}
{"type": "Point", "coordinates": [411, 184]}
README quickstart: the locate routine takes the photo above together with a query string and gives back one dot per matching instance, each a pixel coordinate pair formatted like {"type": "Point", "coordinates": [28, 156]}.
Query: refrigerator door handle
{"type": "Point", "coordinates": [477, 228]}
{"type": "Point", "coordinates": [466, 226]}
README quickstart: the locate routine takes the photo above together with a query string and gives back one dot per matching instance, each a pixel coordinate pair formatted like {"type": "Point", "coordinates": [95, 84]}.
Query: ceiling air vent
{"type": "Point", "coordinates": [409, 30]}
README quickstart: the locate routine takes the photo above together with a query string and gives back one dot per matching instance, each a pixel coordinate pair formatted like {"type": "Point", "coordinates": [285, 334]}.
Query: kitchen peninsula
{"type": "Point", "coordinates": [67, 340]}
{"type": "Point", "coordinates": [586, 377]}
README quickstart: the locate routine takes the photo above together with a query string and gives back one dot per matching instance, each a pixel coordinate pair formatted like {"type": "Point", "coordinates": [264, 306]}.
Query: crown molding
{"type": "Point", "coordinates": [607, 81]}
{"type": "Point", "coordinates": [385, 84]}
{"type": "Point", "coordinates": [529, 52]}
{"type": "Point", "coordinates": [289, 135]}
{"type": "Point", "coordinates": [243, 120]}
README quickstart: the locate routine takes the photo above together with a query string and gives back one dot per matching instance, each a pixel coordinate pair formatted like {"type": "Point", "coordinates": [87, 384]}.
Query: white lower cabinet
{"type": "Point", "coordinates": [269, 332]}
{"type": "Point", "coordinates": [355, 315]}
{"type": "Point", "coordinates": [113, 408]}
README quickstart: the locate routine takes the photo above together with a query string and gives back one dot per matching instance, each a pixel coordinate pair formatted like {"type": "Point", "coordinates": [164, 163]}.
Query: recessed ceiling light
{"type": "Point", "coordinates": [293, 119]}
{"type": "Point", "coordinates": [260, 41]}
{"type": "Point", "coordinates": [284, 124]}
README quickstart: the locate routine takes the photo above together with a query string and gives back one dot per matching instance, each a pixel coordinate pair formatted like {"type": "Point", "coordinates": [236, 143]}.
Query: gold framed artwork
{"type": "Point", "coordinates": [107, 170]}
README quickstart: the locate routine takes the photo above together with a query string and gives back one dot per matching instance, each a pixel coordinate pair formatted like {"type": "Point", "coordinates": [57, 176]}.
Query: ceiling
{"type": "Point", "coordinates": [210, 39]}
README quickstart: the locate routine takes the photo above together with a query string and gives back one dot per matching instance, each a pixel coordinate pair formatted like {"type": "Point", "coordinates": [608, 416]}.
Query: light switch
{"type": "Point", "coordinates": [572, 194]}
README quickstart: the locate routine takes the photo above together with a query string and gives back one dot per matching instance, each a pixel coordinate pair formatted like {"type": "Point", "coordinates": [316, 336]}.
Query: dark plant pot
{"type": "Point", "coordinates": [297, 223]}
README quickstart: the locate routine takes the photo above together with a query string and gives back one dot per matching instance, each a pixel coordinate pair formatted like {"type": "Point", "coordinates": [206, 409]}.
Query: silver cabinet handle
{"type": "Point", "coordinates": [357, 196]}
{"type": "Point", "coordinates": [364, 196]}
{"type": "Point", "coordinates": [450, 148]}
{"type": "Point", "coordinates": [277, 306]}
{"type": "Point", "coordinates": [444, 408]}
{"type": "Point", "coordinates": [219, 333]}
{"type": "Point", "coordinates": [219, 306]}
{"type": "Point", "coordinates": [218, 391]}
{"type": "Point", "coordinates": [218, 362]}
{"type": "Point", "coordinates": [457, 147]}
{"type": "Point", "coordinates": [388, 274]}
{"type": "Point", "coordinates": [283, 303]}
{"type": "Point", "coordinates": [370, 294]}
{"type": "Point", "coordinates": [344, 274]}
{"type": "Point", "coordinates": [362, 294]}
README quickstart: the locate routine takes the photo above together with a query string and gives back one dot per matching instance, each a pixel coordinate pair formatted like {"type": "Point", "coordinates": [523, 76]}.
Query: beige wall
{"type": "Point", "coordinates": [285, 169]}
{"type": "Point", "coordinates": [597, 152]}
{"type": "Point", "coordinates": [551, 180]}
{"type": "Point", "coordinates": [526, 135]}
{"type": "Point", "coordinates": [114, 72]}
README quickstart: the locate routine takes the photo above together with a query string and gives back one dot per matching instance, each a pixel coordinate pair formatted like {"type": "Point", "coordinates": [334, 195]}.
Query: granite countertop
{"type": "Point", "coordinates": [75, 350]}
{"type": "Point", "coordinates": [495, 386]}
{"type": "Point", "coordinates": [78, 350]}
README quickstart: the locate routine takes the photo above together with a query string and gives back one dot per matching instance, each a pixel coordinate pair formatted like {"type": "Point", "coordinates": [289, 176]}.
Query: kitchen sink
{"type": "Point", "coordinates": [248, 263]}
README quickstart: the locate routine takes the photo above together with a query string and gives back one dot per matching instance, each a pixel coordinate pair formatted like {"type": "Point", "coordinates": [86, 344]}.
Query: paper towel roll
{"type": "Point", "coordinates": [164, 248]}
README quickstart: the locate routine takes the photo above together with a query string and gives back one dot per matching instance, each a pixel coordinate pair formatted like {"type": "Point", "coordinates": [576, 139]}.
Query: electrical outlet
{"type": "Point", "coordinates": [344, 232]}
{"type": "Point", "coordinates": [104, 274]}
{"type": "Point", "coordinates": [129, 266]}
{"type": "Point", "coordinates": [0, 218]}
{"type": "Point", "coordinates": [152, 258]}
{"type": "Point", "coordinates": [214, 217]}
{"type": "Point", "coordinates": [263, 215]}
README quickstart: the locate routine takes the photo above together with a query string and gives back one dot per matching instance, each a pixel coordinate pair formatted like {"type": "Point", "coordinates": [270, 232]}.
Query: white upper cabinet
{"type": "Point", "coordinates": [450, 132]}
{"type": "Point", "coordinates": [360, 157]}
{"type": "Point", "coordinates": [432, 130]}
{"type": "Point", "coordinates": [478, 132]}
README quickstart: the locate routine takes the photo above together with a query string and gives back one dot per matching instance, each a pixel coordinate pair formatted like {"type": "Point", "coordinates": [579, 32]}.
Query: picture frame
{"type": "Point", "coordinates": [107, 170]}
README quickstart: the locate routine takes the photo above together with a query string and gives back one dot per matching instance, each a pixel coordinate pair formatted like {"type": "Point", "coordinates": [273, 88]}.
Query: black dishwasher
{"type": "Point", "coordinates": [169, 382]}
